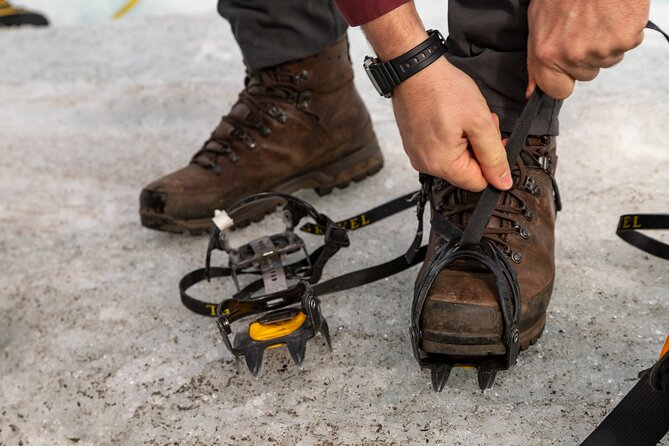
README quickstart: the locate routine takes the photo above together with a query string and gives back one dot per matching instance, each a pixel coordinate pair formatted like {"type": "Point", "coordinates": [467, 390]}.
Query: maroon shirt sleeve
{"type": "Point", "coordinates": [359, 12]}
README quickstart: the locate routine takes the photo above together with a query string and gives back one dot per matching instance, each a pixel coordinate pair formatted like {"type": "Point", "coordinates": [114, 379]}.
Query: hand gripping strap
{"type": "Point", "coordinates": [484, 208]}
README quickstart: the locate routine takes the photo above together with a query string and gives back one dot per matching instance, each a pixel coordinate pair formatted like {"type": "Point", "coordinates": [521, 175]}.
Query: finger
{"type": "Point", "coordinates": [555, 82]}
{"type": "Point", "coordinates": [628, 44]}
{"type": "Point", "coordinates": [612, 60]}
{"type": "Point", "coordinates": [584, 73]}
{"type": "Point", "coordinates": [531, 86]}
{"type": "Point", "coordinates": [495, 119]}
{"type": "Point", "coordinates": [531, 83]}
{"type": "Point", "coordinates": [486, 143]}
{"type": "Point", "coordinates": [464, 172]}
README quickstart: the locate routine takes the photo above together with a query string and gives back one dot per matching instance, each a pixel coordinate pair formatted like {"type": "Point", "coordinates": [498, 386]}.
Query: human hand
{"type": "Point", "coordinates": [447, 128]}
{"type": "Point", "coordinates": [572, 40]}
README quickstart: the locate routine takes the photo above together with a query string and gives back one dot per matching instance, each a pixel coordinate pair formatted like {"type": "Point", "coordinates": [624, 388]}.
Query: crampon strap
{"type": "Point", "coordinates": [317, 259]}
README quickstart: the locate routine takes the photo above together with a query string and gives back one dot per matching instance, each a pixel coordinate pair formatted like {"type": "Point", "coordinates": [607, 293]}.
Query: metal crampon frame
{"type": "Point", "coordinates": [288, 313]}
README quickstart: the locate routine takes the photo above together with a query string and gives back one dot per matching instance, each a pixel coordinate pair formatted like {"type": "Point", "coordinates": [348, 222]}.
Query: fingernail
{"type": "Point", "coordinates": [506, 180]}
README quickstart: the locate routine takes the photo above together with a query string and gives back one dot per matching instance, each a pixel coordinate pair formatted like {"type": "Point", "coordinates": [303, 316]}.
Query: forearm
{"type": "Point", "coordinates": [395, 32]}
{"type": "Point", "coordinates": [440, 111]}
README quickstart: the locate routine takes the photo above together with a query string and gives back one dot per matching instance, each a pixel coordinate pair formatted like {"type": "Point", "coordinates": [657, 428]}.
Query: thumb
{"type": "Point", "coordinates": [490, 153]}
{"type": "Point", "coordinates": [531, 86]}
{"type": "Point", "coordinates": [531, 82]}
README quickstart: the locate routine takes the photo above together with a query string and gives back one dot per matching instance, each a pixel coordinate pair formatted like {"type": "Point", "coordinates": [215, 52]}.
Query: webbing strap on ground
{"type": "Point", "coordinates": [640, 419]}
{"type": "Point", "coordinates": [344, 282]}
{"type": "Point", "coordinates": [630, 224]}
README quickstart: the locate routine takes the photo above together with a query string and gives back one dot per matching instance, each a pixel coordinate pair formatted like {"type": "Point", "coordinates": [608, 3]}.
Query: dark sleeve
{"type": "Point", "coordinates": [359, 12]}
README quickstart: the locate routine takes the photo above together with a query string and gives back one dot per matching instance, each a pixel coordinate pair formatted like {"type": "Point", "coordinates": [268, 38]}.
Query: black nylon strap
{"type": "Point", "coordinates": [488, 200]}
{"type": "Point", "coordinates": [368, 217]}
{"type": "Point", "coordinates": [318, 258]}
{"type": "Point", "coordinates": [640, 419]}
{"type": "Point", "coordinates": [654, 27]}
{"type": "Point", "coordinates": [629, 224]}
{"type": "Point", "coordinates": [369, 275]}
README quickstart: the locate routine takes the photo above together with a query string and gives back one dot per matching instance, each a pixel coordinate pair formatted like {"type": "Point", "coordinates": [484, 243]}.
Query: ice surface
{"type": "Point", "coordinates": [96, 348]}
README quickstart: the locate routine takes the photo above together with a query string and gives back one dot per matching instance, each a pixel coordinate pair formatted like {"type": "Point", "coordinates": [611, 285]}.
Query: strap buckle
{"type": "Point", "coordinates": [336, 237]}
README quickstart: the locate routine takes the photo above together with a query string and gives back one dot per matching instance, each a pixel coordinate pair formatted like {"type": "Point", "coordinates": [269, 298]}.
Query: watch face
{"type": "Point", "coordinates": [370, 65]}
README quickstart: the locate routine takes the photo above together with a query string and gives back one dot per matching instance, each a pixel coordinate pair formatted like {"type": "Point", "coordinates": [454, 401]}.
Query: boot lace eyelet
{"type": "Point", "coordinates": [529, 215]}
{"type": "Point", "coordinates": [278, 114]}
{"type": "Point", "coordinates": [303, 101]}
{"type": "Point", "coordinates": [263, 129]}
{"type": "Point", "coordinates": [301, 76]}
{"type": "Point", "coordinates": [532, 186]}
{"type": "Point", "coordinates": [247, 140]}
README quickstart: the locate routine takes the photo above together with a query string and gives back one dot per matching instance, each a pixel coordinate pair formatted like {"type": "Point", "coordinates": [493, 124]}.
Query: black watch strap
{"type": "Point", "coordinates": [387, 75]}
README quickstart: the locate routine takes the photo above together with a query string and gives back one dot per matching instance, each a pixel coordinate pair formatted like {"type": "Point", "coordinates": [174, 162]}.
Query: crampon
{"type": "Point", "coordinates": [283, 306]}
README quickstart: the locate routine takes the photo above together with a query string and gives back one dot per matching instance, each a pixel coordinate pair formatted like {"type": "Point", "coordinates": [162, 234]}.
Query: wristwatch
{"type": "Point", "coordinates": [385, 76]}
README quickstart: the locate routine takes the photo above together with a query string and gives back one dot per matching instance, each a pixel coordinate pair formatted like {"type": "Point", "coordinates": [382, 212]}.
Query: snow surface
{"type": "Point", "coordinates": [96, 348]}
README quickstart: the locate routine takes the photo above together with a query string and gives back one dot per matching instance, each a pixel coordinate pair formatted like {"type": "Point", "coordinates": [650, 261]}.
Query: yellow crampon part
{"type": "Point", "coordinates": [125, 8]}
{"type": "Point", "coordinates": [7, 9]}
{"type": "Point", "coordinates": [259, 331]}
{"type": "Point", "coordinates": [665, 349]}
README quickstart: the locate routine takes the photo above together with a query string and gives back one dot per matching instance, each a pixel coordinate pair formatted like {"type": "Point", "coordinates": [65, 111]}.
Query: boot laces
{"type": "Point", "coordinates": [511, 212]}
{"type": "Point", "coordinates": [263, 93]}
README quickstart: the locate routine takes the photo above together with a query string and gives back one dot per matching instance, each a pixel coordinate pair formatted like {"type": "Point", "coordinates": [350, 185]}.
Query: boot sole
{"type": "Point", "coordinates": [339, 174]}
{"type": "Point", "coordinates": [454, 342]}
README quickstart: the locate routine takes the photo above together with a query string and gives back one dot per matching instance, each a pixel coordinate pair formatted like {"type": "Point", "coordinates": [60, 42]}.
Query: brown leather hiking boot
{"type": "Point", "coordinates": [462, 316]}
{"type": "Point", "coordinates": [295, 126]}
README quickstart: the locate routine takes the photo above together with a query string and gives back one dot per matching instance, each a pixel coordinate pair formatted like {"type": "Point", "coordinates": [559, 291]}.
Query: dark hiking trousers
{"type": "Point", "coordinates": [487, 42]}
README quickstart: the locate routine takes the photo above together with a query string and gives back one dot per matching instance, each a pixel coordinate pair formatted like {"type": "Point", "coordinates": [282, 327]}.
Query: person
{"type": "Point", "coordinates": [12, 16]}
{"type": "Point", "coordinates": [299, 123]}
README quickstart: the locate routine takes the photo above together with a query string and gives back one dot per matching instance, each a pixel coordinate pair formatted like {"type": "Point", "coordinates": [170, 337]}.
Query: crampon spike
{"type": "Point", "coordinates": [325, 332]}
{"type": "Point", "coordinates": [297, 348]}
{"type": "Point", "coordinates": [486, 375]}
{"type": "Point", "coordinates": [440, 376]}
{"type": "Point", "coordinates": [253, 359]}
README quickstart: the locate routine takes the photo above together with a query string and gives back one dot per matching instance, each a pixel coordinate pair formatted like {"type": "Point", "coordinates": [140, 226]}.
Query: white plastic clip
{"type": "Point", "coordinates": [222, 220]}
